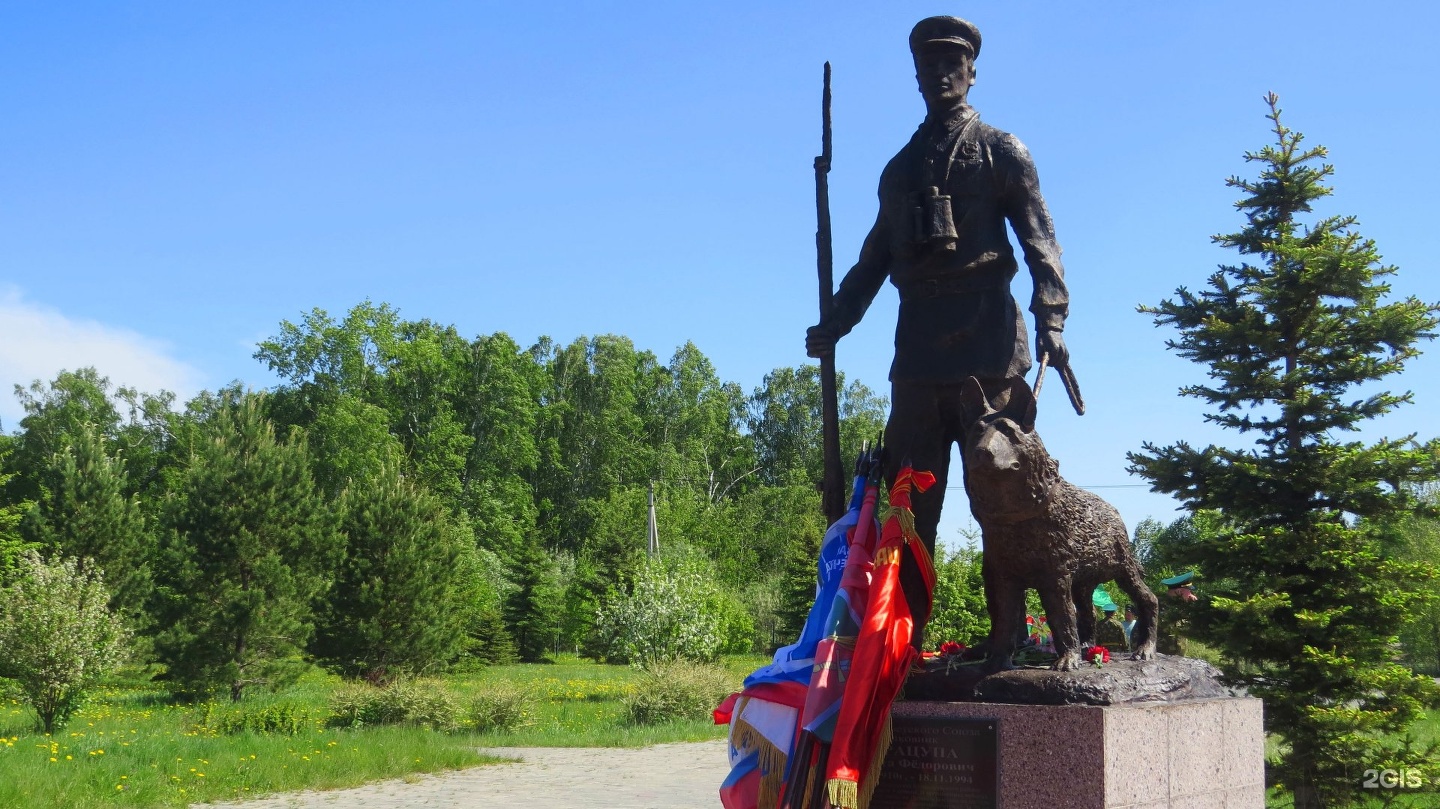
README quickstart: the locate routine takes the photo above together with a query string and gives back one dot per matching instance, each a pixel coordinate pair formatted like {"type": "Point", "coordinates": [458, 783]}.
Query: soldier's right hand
{"type": "Point", "coordinates": [819, 342]}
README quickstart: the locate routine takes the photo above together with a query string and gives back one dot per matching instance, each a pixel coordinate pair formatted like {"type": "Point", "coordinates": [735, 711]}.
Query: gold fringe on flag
{"type": "Point", "coordinates": [843, 794]}
{"type": "Point", "coordinates": [772, 760]}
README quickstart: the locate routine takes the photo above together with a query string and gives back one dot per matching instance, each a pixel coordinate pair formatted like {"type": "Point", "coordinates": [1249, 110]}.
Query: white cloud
{"type": "Point", "coordinates": [37, 342]}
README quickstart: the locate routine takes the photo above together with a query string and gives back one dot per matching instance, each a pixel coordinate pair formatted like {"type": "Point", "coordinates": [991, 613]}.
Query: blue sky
{"type": "Point", "coordinates": [177, 178]}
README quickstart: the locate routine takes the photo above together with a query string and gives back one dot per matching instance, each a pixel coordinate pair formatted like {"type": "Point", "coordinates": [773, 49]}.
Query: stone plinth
{"type": "Point", "coordinates": [1191, 754]}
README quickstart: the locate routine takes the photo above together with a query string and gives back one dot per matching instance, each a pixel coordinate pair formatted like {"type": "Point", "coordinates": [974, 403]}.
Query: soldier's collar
{"type": "Point", "coordinates": [956, 118]}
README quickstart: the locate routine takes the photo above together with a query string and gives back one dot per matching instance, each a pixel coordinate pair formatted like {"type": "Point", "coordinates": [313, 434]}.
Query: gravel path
{"type": "Point", "coordinates": [666, 776]}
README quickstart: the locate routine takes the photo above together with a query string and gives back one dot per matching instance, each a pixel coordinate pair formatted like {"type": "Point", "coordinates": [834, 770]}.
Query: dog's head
{"type": "Point", "coordinates": [1007, 469]}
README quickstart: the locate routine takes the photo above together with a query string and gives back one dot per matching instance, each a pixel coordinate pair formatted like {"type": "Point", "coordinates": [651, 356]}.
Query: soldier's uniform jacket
{"type": "Point", "coordinates": [957, 316]}
{"type": "Point", "coordinates": [1110, 633]}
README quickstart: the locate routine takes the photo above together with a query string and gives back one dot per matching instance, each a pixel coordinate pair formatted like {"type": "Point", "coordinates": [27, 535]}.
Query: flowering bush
{"type": "Point", "coordinates": [58, 636]}
{"type": "Point", "coordinates": [674, 610]}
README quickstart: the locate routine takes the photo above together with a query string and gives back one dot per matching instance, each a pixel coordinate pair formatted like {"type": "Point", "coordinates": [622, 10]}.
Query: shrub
{"type": "Point", "coordinates": [501, 707]}
{"type": "Point", "coordinates": [677, 692]}
{"type": "Point", "coordinates": [673, 610]}
{"type": "Point", "coordinates": [280, 718]}
{"type": "Point", "coordinates": [734, 625]}
{"type": "Point", "coordinates": [58, 637]}
{"type": "Point", "coordinates": [410, 702]}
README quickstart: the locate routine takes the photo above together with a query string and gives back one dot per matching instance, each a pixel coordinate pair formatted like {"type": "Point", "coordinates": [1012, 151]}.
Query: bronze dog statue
{"type": "Point", "coordinates": [1041, 532]}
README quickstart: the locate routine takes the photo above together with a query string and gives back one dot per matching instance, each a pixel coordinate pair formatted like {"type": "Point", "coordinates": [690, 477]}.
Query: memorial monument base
{"type": "Point", "coordinates": [1190, 754]}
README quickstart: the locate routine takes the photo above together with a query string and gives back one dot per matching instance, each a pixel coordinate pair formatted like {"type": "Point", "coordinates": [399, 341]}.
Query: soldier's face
{"type": "Point", "coordinates": [945, 74]}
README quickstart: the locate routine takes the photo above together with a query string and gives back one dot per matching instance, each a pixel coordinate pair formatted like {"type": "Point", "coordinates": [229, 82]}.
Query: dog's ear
{"type": "Point", "coordinates": [1022, 404]}
{"type": "Point", "coordinates": [973, 403]}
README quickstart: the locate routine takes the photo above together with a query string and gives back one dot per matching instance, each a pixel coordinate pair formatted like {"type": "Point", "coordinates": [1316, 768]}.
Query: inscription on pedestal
{"type": "Point", "coordinates": [939, 764]}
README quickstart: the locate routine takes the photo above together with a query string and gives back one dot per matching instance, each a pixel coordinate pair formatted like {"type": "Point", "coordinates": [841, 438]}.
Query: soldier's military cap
{"type": "Point", "coordinates": [945, 31]}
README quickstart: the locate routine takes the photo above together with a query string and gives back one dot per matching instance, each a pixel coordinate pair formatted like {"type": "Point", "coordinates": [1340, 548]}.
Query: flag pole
{"type": "Point", "coordinates": [832, 498]}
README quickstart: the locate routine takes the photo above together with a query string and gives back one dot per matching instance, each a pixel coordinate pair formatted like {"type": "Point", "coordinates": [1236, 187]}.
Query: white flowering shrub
{"type": "Point", "coordinates": [58, 637]}
{"type": "Point", "coordinates": [666, 615]}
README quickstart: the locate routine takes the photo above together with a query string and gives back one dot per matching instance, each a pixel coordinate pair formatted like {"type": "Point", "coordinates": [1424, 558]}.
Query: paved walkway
{"type": "Point", "coordinates": [666, 776]}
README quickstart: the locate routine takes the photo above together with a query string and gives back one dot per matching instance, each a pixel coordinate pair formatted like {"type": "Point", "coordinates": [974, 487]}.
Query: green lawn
{"type": "Point", "coordinates": [130, 747]}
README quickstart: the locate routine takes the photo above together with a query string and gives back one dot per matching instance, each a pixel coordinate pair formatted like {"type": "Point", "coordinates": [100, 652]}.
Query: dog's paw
{"type": "Point", "coordinates": [995, 666]}
{"type": "Point", "coordinates": [1144, 654]}
{"type": "Point", "coordinates": [1067, 662]}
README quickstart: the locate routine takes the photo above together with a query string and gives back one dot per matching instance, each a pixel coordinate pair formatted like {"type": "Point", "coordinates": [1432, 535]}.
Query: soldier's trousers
{"type": "Point", "coordinates": [925, 421]}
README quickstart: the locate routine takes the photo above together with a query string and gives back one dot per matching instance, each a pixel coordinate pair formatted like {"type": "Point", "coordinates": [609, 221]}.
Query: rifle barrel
{"type": "Point", "coordinates": [832, 497]}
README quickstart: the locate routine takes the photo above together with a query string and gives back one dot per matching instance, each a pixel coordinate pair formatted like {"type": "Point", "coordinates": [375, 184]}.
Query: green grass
{"type": "Point", "coordinates": [579, 705]}
{"type": "Point", "coordinates": [130, 747]}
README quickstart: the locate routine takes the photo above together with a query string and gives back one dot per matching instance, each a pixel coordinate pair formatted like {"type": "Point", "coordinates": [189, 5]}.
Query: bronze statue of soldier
{"type": "Point", "coordinates": [940, 238]}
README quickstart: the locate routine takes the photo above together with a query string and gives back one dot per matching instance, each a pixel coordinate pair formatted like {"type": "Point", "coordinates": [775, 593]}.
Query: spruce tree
{"type": "Point", "coordinates": [248, 552]}
{"type": "Point", "coordinates": [490, 641]}
{"type": "Point", "coordinates": [797, 582]}
{"type": "Point", "coordinates": [532, 609]}
{"type": "Point", "coordinates": [1301, 599]}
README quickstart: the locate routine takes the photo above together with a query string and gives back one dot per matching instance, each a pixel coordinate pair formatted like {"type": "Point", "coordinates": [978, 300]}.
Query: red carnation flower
{"type": "Point", "coordinates": [1098, 655]}
{"type": "Point", "coordinates": [950, 648]}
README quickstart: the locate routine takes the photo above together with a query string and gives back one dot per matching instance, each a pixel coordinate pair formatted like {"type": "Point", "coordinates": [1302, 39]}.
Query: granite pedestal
{"type": "Point", "coordinates": [1188, 754]}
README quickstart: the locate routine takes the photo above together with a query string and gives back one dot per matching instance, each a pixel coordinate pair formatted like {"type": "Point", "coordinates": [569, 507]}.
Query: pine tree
{"type": "Point", "coordinates": [1302, 601]}
{"type": "Point", "coordinates": [397, 605]}
{"type": "Point", "coordinates": [84, 513]}
{"type": "Point", "coordinates": [249, 550]}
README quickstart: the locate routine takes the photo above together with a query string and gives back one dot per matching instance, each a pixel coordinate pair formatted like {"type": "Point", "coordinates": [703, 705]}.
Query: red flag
{"type": "Point", "coordinates": [806, 774]}
{"type": "Point", "coordinates": [883, 652]}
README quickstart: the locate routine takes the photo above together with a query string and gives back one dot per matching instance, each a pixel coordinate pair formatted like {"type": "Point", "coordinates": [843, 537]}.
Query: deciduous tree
{"type": "Point", "coordinates": [58, 637]}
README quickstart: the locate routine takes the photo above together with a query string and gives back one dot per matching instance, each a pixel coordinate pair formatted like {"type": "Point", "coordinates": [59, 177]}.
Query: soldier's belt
{"type": "Point", "coordinates": [960, 284]}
